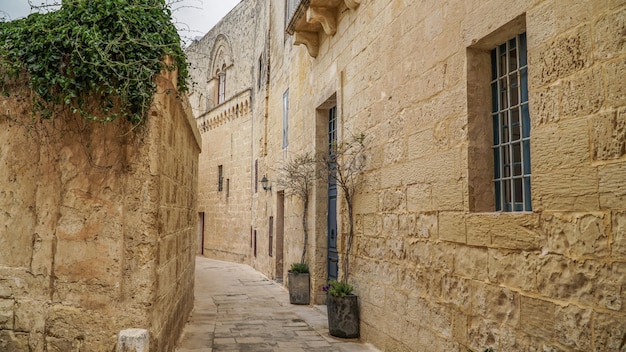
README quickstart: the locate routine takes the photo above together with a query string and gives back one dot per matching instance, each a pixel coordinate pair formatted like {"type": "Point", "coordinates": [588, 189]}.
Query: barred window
{"type": "Point", "coordinates": [511, 125]}
{"type": "Point", "coordinates": [332, 129]}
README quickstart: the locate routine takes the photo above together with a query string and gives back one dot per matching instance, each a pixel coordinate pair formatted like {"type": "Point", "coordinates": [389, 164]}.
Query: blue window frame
{"type": "Point", "coordinates": [332, 128]}
{"type": "Point", "coordinates": [511, 125]}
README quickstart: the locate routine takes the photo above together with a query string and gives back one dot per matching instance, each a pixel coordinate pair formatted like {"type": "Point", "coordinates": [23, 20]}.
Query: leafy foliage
{"type": "Point", "coordinates": [343, 166]}
{"type": "Point", "coordinates": [339, 288]}
{"type": "Point", "coordinates": [299, 268]}
{"type": "Point", "coordinates": [297, 174]}
{"type": "Point", "coordinates": [104, 52]}
{"type": "Point", "coordinates": [296, 177]}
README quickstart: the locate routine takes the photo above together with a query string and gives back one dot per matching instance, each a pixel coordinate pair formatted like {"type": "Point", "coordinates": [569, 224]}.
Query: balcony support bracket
{"type": "Point", "coordinates": [323, 16]}
{"type": "Point", "coordinates": [309, 39]}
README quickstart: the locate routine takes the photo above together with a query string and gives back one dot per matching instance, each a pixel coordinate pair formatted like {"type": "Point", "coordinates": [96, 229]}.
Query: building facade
{"type": "Point", "coordinates": [493, 212]}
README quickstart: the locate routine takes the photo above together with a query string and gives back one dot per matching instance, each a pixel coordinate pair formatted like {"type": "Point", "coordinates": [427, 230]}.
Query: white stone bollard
{"type": "Point", "coordinates": [133, 340]}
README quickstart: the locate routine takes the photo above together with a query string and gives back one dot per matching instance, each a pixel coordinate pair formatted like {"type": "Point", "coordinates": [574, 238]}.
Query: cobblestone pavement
{"type": "Point", "coordinates": [239, 309]}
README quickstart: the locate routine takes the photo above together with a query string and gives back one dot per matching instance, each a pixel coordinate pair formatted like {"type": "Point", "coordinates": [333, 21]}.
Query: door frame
{"type": "Point", "coordinates": [279, 235]}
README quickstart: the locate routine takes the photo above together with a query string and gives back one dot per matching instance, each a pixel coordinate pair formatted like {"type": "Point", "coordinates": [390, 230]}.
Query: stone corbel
{"type": "Point", "coordinates": [310, 40]}
{"type": "Point", "coordinates": [323, 16]}
{"type": "Point", "coordinates": [353, 4]}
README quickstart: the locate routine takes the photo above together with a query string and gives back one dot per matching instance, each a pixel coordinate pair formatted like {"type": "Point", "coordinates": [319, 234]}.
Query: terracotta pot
{"type": "Point", "coordinates": [299, 288]}
{"type": "Point", "coordinates": [343, 316]}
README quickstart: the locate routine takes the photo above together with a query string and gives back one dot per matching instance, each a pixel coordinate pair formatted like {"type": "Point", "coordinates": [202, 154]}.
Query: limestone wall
{"type": "Point", "coordinates": [226, 132]}
{"type": "Point", "coordinates": [98, 227]}
{"type": "Point", "coordinates": [226, 211]}
{"type": "Point", "coordinates": [429, 268]}
{"type": "Point", "coordinates": [235, 36]}
{"type": "Point", "coordinates": [434, 264]}
{"type": "Point", "coordinates": [235, 137]}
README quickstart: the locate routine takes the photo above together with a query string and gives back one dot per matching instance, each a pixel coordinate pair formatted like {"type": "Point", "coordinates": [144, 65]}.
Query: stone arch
{"type": "Point", "coordinates": [221, 57]}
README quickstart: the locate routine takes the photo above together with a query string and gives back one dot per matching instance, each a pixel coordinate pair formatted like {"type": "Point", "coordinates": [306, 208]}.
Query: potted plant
{"type": "Point", "coordinates": [343, 310]}
{"type": "Point", "coordinates": [299, 284]}
{"type": "Point", "coordinates": [343, 165]}
{"type": "Point", "coordinates": [296, 177]}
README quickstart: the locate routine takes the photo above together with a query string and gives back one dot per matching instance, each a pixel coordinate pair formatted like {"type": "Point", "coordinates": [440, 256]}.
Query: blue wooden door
{"type": "Point", "coordinates": [333, 255]}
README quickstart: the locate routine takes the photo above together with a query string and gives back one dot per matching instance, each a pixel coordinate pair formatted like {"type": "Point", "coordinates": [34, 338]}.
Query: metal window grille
{"type": "Point", "coordinates": [511, 125]}
{"type": "Point", "coordinates": [332, 144]}
{"type": "Point", "coordinates": [332, 129]}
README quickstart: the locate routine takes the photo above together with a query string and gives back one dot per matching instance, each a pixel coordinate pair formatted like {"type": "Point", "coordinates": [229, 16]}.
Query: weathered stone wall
{"type": "Point", "coordinates": [226, 131]}
{"type": "Point", "coordinates": [434, 266]}
{"type": "Point", "coordinates": [98, 225]}
{"type": "Point", "coordinates": [174, 161]}
{"type": "Point", "coordinates": [244, 135]}
{"type": "Point", "coordinates": [227, 211]}
{"type": "Point", "coordinates": [237, 135]}
{"type": "Point", "coordinates": [431, 271]}
{"type": "Point", "coordinates": [236, 34]}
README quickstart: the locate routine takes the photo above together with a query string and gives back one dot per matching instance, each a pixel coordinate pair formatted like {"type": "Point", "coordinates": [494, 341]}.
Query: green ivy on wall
{"type": "Point", "coordinates": [95, 58]}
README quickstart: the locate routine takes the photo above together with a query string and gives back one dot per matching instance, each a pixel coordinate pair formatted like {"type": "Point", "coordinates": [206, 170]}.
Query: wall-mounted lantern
{"type": "Point", "coordinates": [265, 184]}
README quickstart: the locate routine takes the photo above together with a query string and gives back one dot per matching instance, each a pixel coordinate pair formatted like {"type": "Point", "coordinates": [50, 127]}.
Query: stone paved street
{"type": "Point", "coordinates": [238, 309]}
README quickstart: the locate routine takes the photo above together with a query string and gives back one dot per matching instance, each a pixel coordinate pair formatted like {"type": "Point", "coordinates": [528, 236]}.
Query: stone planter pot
{"type": "Point", "coordinates": [299, 288]}
{"type": "Point", "coordinates": [343, 316]}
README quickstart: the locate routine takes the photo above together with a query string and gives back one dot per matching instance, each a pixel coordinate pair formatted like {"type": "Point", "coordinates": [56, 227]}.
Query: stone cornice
{"type": "Point", "coordinates": [229, 110]}
{"type": "Point", "coordinates": [312, 17]}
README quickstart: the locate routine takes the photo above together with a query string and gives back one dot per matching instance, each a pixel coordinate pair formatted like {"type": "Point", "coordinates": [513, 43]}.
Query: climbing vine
{"type": "Point", "coordinates": [93, 58]}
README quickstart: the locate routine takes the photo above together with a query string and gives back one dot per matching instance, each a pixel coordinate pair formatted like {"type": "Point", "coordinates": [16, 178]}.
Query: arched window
{"type": "Point", "coordinates": [221, 91]}
{"type": "Point", "coordinates": [221, 61]}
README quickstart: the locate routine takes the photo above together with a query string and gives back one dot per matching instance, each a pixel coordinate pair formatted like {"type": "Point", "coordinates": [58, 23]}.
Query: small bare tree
{"type": "Point", "coordinates": [296, 177]}
{"type": "Point", "coordinates": [343, 165]}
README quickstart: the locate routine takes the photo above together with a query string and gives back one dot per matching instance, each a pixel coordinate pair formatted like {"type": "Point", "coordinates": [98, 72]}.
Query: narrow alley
{"type": "Point", "coordinates": [238, 309]}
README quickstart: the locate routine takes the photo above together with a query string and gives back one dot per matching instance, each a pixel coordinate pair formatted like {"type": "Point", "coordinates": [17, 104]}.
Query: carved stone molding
{"type": "Point", "coordinates": [310, 40]}
{"type": "Point", "coordinates": [324, 16]}
{"type": "Point", "coordinates": [230, 110]}
{"type": "Point", "coordinates": [310, 17]}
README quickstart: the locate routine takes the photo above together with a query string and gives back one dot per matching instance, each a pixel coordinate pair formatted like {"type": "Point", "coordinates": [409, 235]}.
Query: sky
{"type": "Point", "coordinates": [193, 18]}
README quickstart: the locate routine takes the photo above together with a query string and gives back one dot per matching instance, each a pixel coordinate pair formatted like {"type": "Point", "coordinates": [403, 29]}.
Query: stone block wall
{"type": "Point", "coordinates": [226, 144]}
{"type": "Point", "coordinates": [175, 163]}
{"type": "Point", "coordinates": [227, 132]}
{"type": "Point", "coordinates": [98, 227]}
{"type": "Point", "coordinates": [435, 266]}
{"type": "Point", "coordinates": [429, 268]}
{"type": "Point", "coordinates": [236, 35]}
